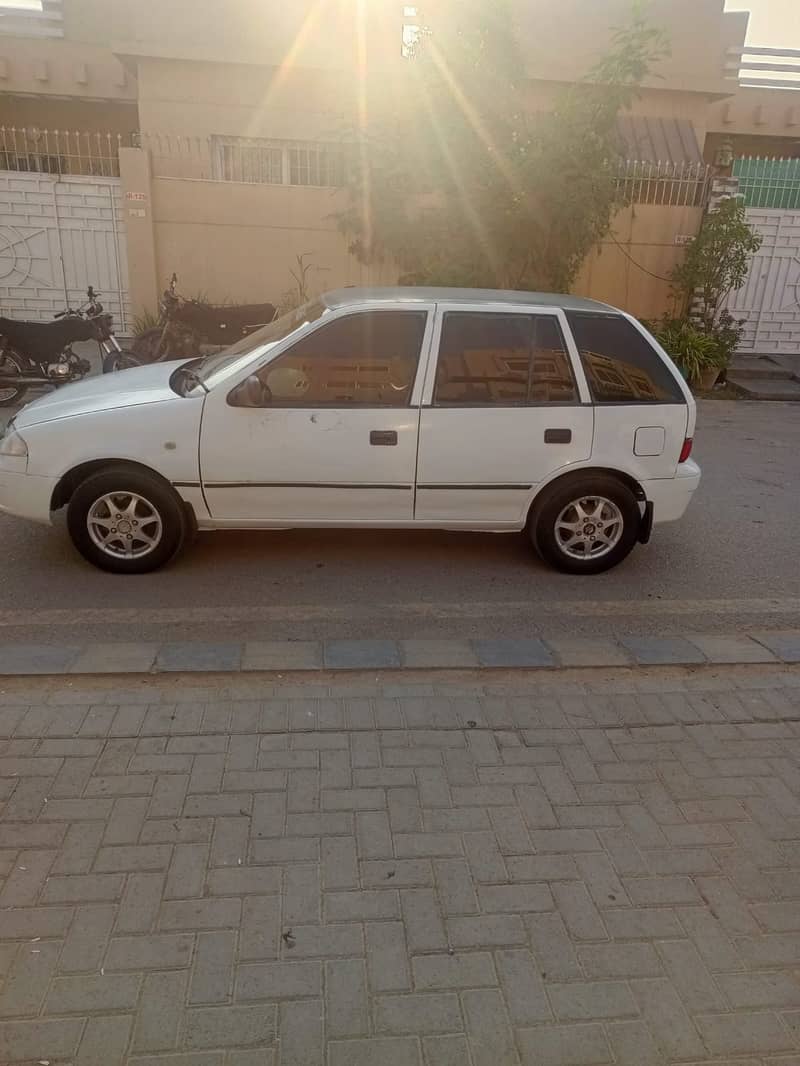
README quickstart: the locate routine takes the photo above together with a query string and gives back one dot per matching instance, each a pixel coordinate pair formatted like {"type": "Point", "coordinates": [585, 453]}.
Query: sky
{"type": "Point", "coordinates": [773, 23]}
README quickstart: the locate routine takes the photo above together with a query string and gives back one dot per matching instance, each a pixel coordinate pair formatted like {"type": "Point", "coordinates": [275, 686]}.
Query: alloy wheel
{"type": "Point", "coordinates": [124, 525]}
{"type": "Point", "coordinates": [589, 527]}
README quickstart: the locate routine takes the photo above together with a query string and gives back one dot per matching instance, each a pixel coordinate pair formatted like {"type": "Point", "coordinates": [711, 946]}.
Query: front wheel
{"type": "Point", "coordinates": [11, 367]}
{"type": "Point", "coordinates": [586, 526]}
{"type": "Point", "coordinates": [121, 360]}
{"type": "Point", "coordinates": [126, 521]}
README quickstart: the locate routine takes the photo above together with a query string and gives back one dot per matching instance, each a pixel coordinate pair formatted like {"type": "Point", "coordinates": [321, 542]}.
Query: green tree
{"type": "Point", "coordinates": [465, 185]}
{"type": "Point", "coordinates": [717, 260]}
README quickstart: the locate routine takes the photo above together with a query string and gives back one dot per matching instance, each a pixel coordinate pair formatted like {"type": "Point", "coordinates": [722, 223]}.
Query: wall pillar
{"type": "Point", "coordinates": [137, 199]}
{"type": "Point", "coordinates": [723, 186]}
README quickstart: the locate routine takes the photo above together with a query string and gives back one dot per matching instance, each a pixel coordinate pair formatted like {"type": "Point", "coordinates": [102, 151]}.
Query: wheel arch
{"type": "Point", "coordinates": [69, 481]}
{"type": "Point", "coordinates": [626, 479]}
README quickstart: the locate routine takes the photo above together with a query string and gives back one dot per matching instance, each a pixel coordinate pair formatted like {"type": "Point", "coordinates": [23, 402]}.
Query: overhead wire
{"type": "Point", "coordinates": [626, 253]}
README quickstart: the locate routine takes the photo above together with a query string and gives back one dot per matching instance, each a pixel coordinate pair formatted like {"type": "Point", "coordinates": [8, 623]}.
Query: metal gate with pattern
{"type": "Point", "coordinates": [769, 300]}
{"type": "Point", "coordinates": [59, 235]}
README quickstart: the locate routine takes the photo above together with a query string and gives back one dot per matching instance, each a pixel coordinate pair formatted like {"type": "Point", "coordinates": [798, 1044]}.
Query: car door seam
{"type": "Point", "coordinates": [199, 457]}
{"type": "Point", "coordinates": [426, 371]}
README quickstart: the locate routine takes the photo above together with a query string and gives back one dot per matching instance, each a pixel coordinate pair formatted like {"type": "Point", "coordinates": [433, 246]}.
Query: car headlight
{"type": "Point", "coordinates": [11, 443]}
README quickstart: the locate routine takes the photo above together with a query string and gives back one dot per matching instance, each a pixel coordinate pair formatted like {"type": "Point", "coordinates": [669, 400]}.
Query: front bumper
{"type": "Point", "coordinates": [671, 496]}
{"type": "Point", "coordinates": [25, 495]}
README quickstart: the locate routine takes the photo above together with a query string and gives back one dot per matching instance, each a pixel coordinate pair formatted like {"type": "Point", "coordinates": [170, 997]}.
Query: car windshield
{"type": "Point", "coordinates": [225, 362]}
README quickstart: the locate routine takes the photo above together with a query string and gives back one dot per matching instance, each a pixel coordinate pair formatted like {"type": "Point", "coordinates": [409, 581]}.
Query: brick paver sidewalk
{"type": "Point", "coordinates": [354, 873]}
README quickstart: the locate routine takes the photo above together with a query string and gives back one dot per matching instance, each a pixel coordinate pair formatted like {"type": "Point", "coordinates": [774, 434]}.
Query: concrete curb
{"type": "Point", "coordinates": [691, 649]}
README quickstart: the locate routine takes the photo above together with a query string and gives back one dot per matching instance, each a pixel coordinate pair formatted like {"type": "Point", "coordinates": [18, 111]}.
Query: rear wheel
{"type": "Point", "coordinates": [122, 360]}
{"type": "Point", "coordinates": [587, 525]}
{"type": "Point", "coordinates": [11, 367]}
{"type": "Point", "coordinates": [127, 521]}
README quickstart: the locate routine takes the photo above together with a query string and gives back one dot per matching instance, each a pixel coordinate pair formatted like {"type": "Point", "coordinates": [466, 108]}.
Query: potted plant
{"type": "Point", "coordinates": [698, 355]}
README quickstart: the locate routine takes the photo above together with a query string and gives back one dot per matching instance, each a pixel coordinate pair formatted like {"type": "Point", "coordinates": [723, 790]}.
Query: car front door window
{"type": "Point", "coordinates": [368, 359]}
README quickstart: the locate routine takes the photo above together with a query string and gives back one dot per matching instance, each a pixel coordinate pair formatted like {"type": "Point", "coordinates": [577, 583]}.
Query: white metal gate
{"type": "Point", "coordinates": [769, 301]}
{"type": "Point", "coordinates": [59, 235]}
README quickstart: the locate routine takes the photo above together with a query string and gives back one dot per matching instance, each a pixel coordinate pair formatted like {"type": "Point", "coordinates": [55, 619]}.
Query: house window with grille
{"type": "Point", "coordinates": [314, 164]}
{"type": "Point", "coordinates": [257, 164]}
{"type": "Point", "coordinates": [263, 162]}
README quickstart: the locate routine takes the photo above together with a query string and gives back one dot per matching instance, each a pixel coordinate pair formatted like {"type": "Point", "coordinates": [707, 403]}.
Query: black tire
{"type": "Point", "coordinates": [120, 481]}
{"type": "Point", "coordinates": [122, 360]}
{"type": "Point", "coordinates": [11, 364]}
{"type": "Point", "coordinates": [557, 505]}
{"type": "Point", "coordinates": [149, 347]}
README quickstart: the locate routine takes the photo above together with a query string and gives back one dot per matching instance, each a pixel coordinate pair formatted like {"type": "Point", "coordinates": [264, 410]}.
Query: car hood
{"type": "Point", "coordinates": [125, 388]}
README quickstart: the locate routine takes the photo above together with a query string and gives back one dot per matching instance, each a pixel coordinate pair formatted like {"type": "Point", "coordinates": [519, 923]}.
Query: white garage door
{"type": "Point", "coordinates": [769, 301]}
{"type": "Point", "coordinates": [58, 236]}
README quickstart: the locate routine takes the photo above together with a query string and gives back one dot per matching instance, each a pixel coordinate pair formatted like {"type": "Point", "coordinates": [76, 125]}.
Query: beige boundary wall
{"type": "Point", "coordinates": [233, 241]}
{"type": "Point", "coordinates": [238, 242]}
{"type": "Point", "coordinates": [228, 240]}
{"type": "Point", "coordinates": [631, 268]}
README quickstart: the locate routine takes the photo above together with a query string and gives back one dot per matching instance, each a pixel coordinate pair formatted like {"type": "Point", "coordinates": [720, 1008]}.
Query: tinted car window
{"type": "Point", "coordinates": [620, 364]}
{"type": "Point", "coordinates": [365, 359]}
{"type": "Point", "coordinates": [499, 360]}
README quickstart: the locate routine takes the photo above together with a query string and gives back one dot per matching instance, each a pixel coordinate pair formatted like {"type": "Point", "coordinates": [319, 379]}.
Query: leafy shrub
{"type": "Point", "coordinates": [717, 260]}
{"type": "Point", "coordinates": [727, 332]}
{"type": "Point", "coordinates": [145, 321]}
{"type": "Point", "coordinates": [691, 349]}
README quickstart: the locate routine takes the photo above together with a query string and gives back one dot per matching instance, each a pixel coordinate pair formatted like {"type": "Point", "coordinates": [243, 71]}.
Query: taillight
{"type": "Point", "coordinates": [686, 450]}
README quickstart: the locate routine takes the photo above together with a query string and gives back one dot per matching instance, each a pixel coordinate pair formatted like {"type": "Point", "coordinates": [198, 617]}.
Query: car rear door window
{"type": "Point", "coordinates": [621, 366]}
{"type": "Point", "coordinates": [366, 359]}
{"type": "Point", "coordinates": [502, 360]}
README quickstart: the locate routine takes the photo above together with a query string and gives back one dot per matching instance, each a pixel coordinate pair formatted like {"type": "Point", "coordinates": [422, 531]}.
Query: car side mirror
{"type": "Point", "coordinates": [252, 392]}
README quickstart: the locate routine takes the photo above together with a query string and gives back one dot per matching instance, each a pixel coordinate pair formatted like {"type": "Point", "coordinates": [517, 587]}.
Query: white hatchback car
{"type": "Point", "coordinates": [406, 407]}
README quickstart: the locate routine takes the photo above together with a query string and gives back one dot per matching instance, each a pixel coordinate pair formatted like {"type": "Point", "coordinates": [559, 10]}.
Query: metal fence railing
{"type": "Point", "coordinates": [294, 163]}
{"type": "Point", "coordinates": [246, 160]}
{"type": "Point", "coordinates": [771, 183]}
{"type": "Point", "coordinates": [324, 164]}
{"type": "Point", "coordinates": [61, 152]}
{"type": "Point", "coordinates": [176, 156]}
{"type": "Point", "coordinates": [665, 184]}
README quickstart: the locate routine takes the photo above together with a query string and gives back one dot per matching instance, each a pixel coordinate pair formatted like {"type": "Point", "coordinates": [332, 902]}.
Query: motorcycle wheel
{"type": "Point", "coordinates": [123, 360]}
{"type": "Point", "coordinates": [11, 364]}
{"type": "Point", "coordinates": [149, 347]}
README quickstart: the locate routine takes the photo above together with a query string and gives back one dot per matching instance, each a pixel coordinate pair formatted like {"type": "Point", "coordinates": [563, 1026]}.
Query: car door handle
{"type": "Point", "coordinates": [383, 437]}
{"type": "Point", "coordinates": [558, 436]}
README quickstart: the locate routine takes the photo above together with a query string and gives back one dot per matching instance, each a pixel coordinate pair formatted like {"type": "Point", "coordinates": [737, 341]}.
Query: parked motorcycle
{"type": "Point", "coordinates": [185, 325]}
{"type": "Point", "coordinates": [40, 353]}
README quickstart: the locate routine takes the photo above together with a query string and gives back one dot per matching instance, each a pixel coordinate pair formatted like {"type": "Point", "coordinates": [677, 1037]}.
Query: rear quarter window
{"type": "Point", "coordinates": [621, 365]}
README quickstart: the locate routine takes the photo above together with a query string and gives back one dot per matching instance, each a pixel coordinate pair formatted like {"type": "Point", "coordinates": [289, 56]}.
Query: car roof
{"type": "Point", "coordinates": [431, 294]}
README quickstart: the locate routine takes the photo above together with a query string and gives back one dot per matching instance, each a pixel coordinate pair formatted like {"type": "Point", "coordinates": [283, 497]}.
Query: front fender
{"type": "Point", "coordinates": [161, 437]}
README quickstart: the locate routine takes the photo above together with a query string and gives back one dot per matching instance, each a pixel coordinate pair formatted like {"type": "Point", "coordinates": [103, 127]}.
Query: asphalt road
{"type": "Point", "coordinates": [731, 563]}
